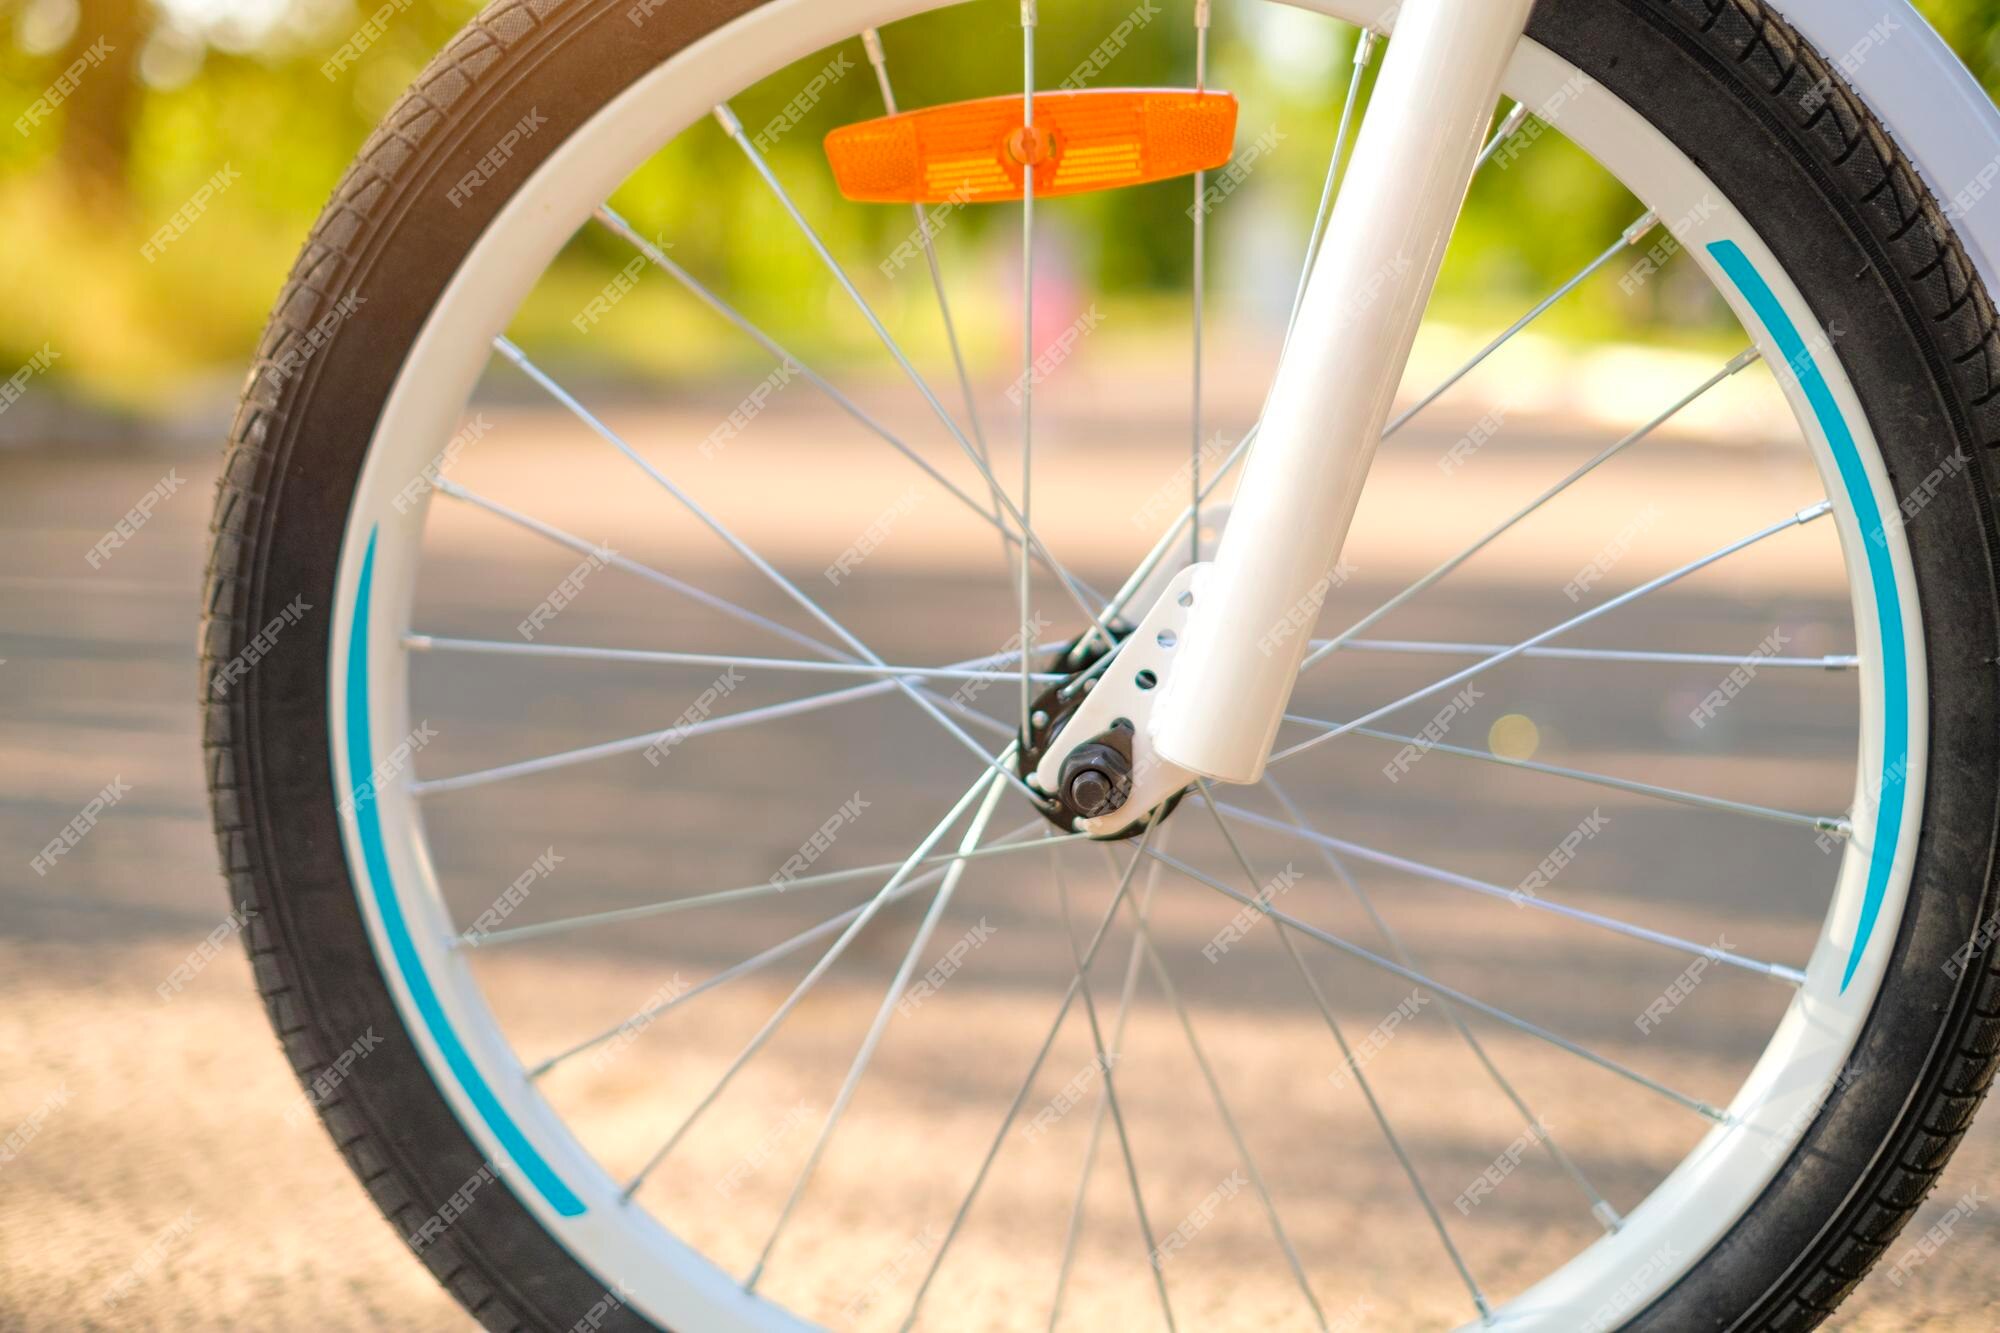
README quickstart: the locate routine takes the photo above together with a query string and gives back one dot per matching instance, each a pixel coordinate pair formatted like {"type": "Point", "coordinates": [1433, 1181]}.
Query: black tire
{"type": "Point", "coordinates": [1726, 80]}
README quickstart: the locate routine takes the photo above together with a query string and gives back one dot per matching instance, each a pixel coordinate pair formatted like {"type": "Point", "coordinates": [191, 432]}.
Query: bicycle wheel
{"type": "Point", "coordinates": [1770, 664]}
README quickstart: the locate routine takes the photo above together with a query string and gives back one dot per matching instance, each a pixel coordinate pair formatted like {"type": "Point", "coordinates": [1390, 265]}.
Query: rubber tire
{"type": "Point", "coordinates": [1822, 183]}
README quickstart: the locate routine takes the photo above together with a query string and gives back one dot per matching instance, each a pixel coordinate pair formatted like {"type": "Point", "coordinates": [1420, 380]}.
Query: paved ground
{"type": "Point", "coordinates": [163, 1168]}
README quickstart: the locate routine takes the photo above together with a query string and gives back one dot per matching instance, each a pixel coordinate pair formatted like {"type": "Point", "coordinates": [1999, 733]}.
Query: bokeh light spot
{"type": "Point", "coordinates": [1514, 736]}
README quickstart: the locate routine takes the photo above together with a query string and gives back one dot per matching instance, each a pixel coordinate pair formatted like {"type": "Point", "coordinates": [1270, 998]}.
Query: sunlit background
{"type": "Point", "coordinates": [195, 87]}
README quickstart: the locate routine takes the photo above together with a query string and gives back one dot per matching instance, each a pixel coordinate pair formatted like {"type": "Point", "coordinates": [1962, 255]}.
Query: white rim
{"type": "Point", "coordinates": [484, 1079]}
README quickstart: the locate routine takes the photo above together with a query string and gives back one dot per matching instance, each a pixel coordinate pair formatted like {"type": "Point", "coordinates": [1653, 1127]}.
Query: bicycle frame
{"type": "Point", "coordinates": [1254, 607]}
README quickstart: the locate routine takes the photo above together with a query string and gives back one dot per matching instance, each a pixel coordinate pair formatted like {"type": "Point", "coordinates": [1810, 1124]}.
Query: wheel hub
{"type": "Point", "coordinates": [1096, 776]}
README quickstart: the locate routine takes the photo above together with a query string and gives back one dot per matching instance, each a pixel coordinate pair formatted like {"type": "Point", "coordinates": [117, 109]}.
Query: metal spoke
{"type": "Point", "coordinates": [1023, 585]}
{"type": "Point", "coordinates": [756, 962]}
{"type": "Point", "coordinates": [721, 604]}
{"type": "Point", "coordinates": [1435, 648]}
{"type": "Point", "coordinates": [1736, 363]}
{"type": "Point", "coordinates": [430, 643]}
{"type": "Point", "coordinates": [1801, 518]}
{"type": "Point", "coordinates": [631, 566]}
{"type": "Point", "coordinates": [1074, 1231]}
{"type": "Point", "coordinates": [1143, 938]}
{"type": "Point", "coordinates": [1364, 53]}
{"type": "Point", "coordinates": [1381, 1116]}
{"type": "Point", "coordinates": [1442, 876]}
{"type": "Point", "coordinates": [1600, 1207]}
{"type": "Point", "coordinates": [1200, 211]}
{"type": "Point", "coordinates": [734, 129]}
{"type": "Point", "coordinates": [652, 253]}
{"type": "Point", "coordinates": [1630, 237]}
{"type": "Point", "coordinates": [871, 42]}
{"type": "Point", "coordinates": [618, 916]}
{"type": "Point", "coordinates": [750, 556]}
{"type": "Point", "coordinates": [1144, 569]}
{"type": "Point", "coordinates": [1110, 1088]}
{"type": "Point", "coordinates": [975, 792]}
{"type": "Point", "coordinates": [862, 1057]}
{"type": "Point", "coordinates": [659, 259]}
{"type": "Point", "coordinates": [749, 717]}
{"type": "Point", "coordinates": [1415, 977]}
{"type": "Point", "coordinates": [1028, 1081]}
{"type": "Point", "coordinates": [1837, 825]}
{"type": "Point", "coordinates": [584, 754]}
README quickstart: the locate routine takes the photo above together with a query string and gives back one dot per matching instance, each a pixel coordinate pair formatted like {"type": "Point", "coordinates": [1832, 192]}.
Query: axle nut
{"type": "Point", "coordinates": [1096, 779]}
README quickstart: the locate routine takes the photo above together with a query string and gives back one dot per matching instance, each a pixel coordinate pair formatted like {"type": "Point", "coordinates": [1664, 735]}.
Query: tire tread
{"type": "Point", "coordinates": [354, 213]}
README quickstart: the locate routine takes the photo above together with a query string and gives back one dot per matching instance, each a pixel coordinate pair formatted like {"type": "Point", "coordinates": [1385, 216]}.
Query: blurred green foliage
{"type": "Point", "coordinates": [1973, 29]}
{"type": "Point", "coordinates": [235, 94]}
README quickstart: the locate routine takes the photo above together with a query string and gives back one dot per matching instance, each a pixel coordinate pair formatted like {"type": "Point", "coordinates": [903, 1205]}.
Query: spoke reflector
{"type": "Point", "coordinates": [973, 152]}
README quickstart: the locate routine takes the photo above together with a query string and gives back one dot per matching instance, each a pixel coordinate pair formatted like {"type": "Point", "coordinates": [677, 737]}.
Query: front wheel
{"type": "Point", "coordinates": [624, 801]}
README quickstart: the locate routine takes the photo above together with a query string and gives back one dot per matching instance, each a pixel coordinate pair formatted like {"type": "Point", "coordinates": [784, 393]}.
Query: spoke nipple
{"type": "Point", "coordinates": [1637, 231]}
{"type": "Point", "coordinates": [726, 118]}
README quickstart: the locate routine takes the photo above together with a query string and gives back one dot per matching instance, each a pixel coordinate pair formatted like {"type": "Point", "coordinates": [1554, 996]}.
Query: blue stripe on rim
{"type": "Point", "coordinates": [368, 823]}
{"type": "Point", "coordinates": [1888, 604]}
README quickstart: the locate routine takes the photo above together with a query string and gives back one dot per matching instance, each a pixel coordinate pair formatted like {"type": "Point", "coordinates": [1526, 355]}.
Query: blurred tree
{"type": "Point", "coordinates": [98, 117]}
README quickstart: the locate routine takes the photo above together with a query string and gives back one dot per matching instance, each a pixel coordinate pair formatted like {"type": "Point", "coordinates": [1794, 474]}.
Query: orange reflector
{"type": "Point", "coordinates": [973, 152]}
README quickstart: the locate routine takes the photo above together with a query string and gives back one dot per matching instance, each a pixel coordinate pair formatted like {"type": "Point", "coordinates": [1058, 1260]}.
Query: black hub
{"type": "Point", "coordinates": [1096, 776]}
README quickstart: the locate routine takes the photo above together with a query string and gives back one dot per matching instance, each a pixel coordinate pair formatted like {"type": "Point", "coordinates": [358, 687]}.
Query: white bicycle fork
{"type": "Point", "coordinates": [1254, 607]}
